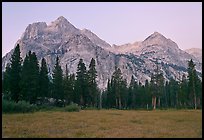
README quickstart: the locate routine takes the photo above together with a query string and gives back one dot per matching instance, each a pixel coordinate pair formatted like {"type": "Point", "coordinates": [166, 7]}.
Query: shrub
{"type": "Point", "coordinates": [91, 108]}
{"type": "Point", "coordinates": [72, 108]}
{"type": "Point", "coordinates": [20, 107]}
{"type": "Point", "coordinates": [45, 107]}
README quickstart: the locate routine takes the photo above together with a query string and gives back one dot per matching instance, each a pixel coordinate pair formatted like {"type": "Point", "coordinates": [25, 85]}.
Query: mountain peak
{"type": "Point", "coordinates": [61, 19]}
{"type": "Point", "coordinates": [94, 38]}
{"type": "Point", "coordinates": [62, 24]}
{"type": "Point", "coordinates": [158, 39]}
{"type": "Point", "coordinates": [157, 34]}
{"type": "Point", "coordinates": [86, 30]}
{"type": "Point", "coordinates": [39, 25]}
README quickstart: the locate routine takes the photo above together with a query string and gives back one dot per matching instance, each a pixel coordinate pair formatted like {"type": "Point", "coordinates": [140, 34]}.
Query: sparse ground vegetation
{"type": "Point", "coordinates": [104, 124]}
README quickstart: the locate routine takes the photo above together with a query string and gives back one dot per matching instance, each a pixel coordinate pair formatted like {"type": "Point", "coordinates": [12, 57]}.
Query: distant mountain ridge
{"type": "Point", "coordinates": [61, 38]}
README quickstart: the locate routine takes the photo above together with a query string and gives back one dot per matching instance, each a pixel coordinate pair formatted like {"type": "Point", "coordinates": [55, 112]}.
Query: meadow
{"type": "Point", "coordinates": [104, 124]}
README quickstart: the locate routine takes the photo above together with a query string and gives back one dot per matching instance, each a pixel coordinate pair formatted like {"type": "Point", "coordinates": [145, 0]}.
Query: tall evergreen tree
{"type": "Point", "coordinates": [68, 86]}
{"type": "Point", "coordinates": [92, 75]}
{"type": "Point", "coordinates": [199, 92]}
{"type": "Point", "coordinates": [130, 92]}
{"type": "Point", "coordinates": [147, 94]}
{"type": "Point", "coordinates": [15, 75]}
{"type": "Point", "coordinates": [124, 94]}
{"type": "Point", "coordinates": [139, 94]}
{"type": "Point", "coordinates": [43, 80]}
{"type": "Point", "coordinates": [173, 92]}
{"type": "Point", "coordinates": [153, 87]}
{"type": "Point", "coordinates": [135, 86]}
{"type": "Point", "coordinates": [58, 92]}
{"type": "Point", "coordinates": [34, 76]}
{"type": "Point", "coordinates": [72, 84]}
{"type": "Point", "coordinates": [117, 85]}
{"type": "Point", "coordinates": [106, 96]}
{"type": "Point", "coordinates": [192, 77]}
{"type": "Point", "coordinates": [30, 78]}
{"type": "Point", "coordinates": [6, 82]}
{"type": "Point", "coordinates": [183, 92]}
{"type": "Point", "coordinates": [167, 99]}
{"type": "Point", "coordinates": [81, 86]}
{"type": "Point", "coordinates": [160, 85]}
{"type": "Point", "coordinates": [25, 79]}
{"type": "Point", "coordinates": [157, 86]}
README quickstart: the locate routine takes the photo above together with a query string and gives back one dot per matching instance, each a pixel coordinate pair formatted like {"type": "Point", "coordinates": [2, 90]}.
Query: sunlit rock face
{"type": "Point", "coordinates": [61, 38]}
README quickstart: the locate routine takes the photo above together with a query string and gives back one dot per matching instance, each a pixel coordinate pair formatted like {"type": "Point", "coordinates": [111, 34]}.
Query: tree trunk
{"type": "Point", "coordinates": [81, 100]}
{"type": "Point", "coordinates": [116, 103]}
{"type": "Point", "coordinates": [158, 101]}
{"type": "Point", "coordinates": [154, 102]}
{"type": "Point", "coordinates": [100, 99]}
{"type": "Point", "coordinates": [119, 102]}
{"type": "Point", "coordinates": [176, 99]}
{"type": "Point", "coordinates": [198, 102]}
{"type": "Point", "coordinates": [194, 93]}
{"type": "Point", "coordinates": [195, 102]}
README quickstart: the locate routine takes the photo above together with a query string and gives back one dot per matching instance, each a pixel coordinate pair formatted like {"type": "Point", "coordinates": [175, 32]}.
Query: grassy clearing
{"type": "Point", "coordinates": [104, 123]}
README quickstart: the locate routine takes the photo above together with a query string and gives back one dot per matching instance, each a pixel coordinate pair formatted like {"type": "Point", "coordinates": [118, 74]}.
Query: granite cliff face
{"type": "Point", "coordinates": [61, 38]}
{"type": "Point", "coordinates": [196, 52]}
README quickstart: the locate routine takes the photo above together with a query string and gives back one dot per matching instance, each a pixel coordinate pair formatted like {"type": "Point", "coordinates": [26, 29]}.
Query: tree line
{"type": "Point", "coordinates": [29, 81]}
{"type": "Point", "coordinates": [186, 93]}
{"type": "Point", "coordinates": [26, 80]}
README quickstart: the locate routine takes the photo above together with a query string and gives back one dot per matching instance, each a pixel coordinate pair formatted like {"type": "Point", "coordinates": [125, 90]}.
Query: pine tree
{"type": "Point", "coordinates": [147, 94]}
{"type": "Point", "coordinates": [58, 92]}
{"type": "Point", "coordinates": [160, 83]}
{"type": "Point", "coordinates": [43, 80]}
{"type": "Point", "coordinates": [124, 93]}
{"type": "Point", "coordinates": [139, 95]}
{"type": "Point", "coordinates": [192, 77]}
{"type": "Point", "coordinates": [117, 85]}
{"type": "Point", "coordinates": [15, 74]}
{"type": "Point", "coordinates": [72, 84]}
{"type": "Point", "coordinates": [92, 75]}
{"type": "Point", "coordinates": [173, 92]}
{"type": "Point", "coordinates": [81, 86]}
{"type": "Point", "coordinates": [183, 92]}
{"type": "Point", "coordinates": [6, 82]}
{"type": "Point", "coordinates": [130, 92]}
{"type": "Point", "coordinates": [134, 87]}
{"type": "Point", "coordinates": [34, 76]}
{"type": "Point", "coordinates": [25, 79]}
{"type": "Point", "coordinates": [109, 98]}
{"type": "Point", "coordinates": [167, 99]}
{"type": "Point", "coordinates": [153, 87]}
{"type": "Point", "coordinates": [30, 78]}
{"type": "Point", "coordinates": [68, 87]}
{"type": "Point", "coordinates": [199, 92]}
{"type": "Point", "coordinates": [157, 86]}
{"type": "Point", "coordinates": [104, 99]}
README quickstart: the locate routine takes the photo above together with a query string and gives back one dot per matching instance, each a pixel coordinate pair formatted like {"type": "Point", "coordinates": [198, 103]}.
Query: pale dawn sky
{"type": "Point", "coordinates": [116, 23]}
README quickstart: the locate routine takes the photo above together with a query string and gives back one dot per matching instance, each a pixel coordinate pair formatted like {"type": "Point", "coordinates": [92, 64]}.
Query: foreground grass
{"type": "Point", "coordinates": [104, 123]}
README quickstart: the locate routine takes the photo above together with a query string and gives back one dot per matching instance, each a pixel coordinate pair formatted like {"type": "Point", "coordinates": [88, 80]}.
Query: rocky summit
{"type": "Point", "coordinates": [61, 38]}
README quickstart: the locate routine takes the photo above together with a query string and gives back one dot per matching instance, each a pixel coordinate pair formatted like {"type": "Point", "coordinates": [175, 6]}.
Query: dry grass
{"type": "Point", "coordinates": [104, 123]}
